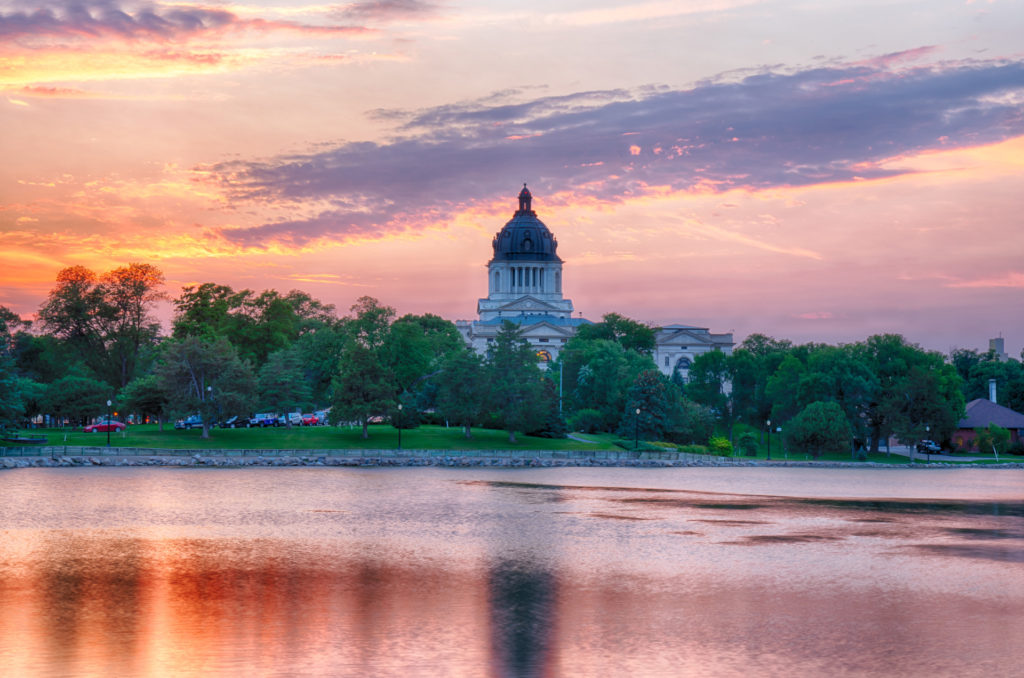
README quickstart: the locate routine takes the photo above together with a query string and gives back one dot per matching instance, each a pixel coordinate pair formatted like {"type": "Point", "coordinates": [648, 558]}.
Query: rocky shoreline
{"type": "Point", "coordinates": [447, 461]}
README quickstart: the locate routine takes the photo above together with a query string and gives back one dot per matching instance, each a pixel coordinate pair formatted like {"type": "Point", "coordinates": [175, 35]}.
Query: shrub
{"type": "Point", "coordinates": [747, 444]}
{"type": "Point", "coordinates": [1017, 448]}
{"type": "Point", "coordinates": [820, 427]}
{"type": "Point", "coordinates": [587, 420]}
{"type": "Point", "coordinates": [720, 445]}
{"type": "Point", "coordinates": [695, 449]}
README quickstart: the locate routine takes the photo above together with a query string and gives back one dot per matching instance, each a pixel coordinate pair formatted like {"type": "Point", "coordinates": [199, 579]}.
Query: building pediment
{"type": "Point", "coordinates": [684, 336]}
{"type": "Point", "coordinates": [529, 305]}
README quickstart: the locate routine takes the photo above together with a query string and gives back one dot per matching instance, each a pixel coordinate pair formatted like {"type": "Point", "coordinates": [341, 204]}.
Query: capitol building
{"type": "Point", "coordinates": [524, 286]}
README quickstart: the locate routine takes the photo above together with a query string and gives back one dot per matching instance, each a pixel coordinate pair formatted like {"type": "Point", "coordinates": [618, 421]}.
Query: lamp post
{"type": "Point", "coordinates": [769, 423]}
{"type": "Point", "coordinates": [928, 448]}
{"type": "Point", "coordinates": [636, 430]}
{"type": "Point", "coordinates": [108, 423]}
{"type": "Point", "coordinates": [399, 426]}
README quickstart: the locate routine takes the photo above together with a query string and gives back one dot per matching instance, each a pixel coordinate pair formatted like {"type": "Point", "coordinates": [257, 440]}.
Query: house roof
{"type": "Point", "coordinates": [982, 412]}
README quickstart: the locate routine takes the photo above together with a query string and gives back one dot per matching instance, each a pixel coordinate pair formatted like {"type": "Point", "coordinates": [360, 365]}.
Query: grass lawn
{"type": "Point", "coordinates": [316, 438]}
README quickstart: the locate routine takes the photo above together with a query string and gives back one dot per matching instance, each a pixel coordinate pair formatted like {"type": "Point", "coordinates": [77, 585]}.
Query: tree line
{"type": "Point", "coordinates": [233, 352]}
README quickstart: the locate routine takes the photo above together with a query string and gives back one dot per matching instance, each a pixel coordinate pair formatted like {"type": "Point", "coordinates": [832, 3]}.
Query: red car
{"type": "Point", "coordinates": [310, 420]}
{"type": "Point", "coordinates": [102, 426]}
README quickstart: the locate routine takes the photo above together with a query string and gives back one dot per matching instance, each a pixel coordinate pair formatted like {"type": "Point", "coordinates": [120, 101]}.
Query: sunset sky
{"type": "Point", "coordinates": [818, 170]}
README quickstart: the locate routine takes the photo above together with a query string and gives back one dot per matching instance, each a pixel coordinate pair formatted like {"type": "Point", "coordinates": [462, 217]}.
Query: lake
{"type": "Point", "coordinates": [500, 572]}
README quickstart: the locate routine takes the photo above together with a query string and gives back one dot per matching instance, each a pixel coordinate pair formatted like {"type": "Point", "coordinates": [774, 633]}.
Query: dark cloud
{"type": "Point", "coordinates": [764, 130]}
{"type": "Point", "coordinates": [104, 19]}
{"type": "Point", "coordinates": [387, 10]}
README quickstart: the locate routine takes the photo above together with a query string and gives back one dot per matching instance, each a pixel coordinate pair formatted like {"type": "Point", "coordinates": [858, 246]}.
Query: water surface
{"type": "Point", "coordinates": [487, 572]}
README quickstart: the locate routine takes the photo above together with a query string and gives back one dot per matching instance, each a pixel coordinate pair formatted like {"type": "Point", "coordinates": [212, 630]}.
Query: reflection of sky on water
{"type": "Point", "coordinates": [428, 573]}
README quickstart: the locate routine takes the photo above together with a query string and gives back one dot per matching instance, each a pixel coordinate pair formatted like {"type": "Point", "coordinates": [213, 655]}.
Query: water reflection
{"type": "Point", "coordinates": [522, 618]}
{"type": "Point", "coordinates": [424, 574]}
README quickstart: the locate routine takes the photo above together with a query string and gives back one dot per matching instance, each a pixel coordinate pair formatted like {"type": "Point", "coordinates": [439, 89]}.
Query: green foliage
{"type": "Point", "coordinates": [144, 396]}
{"type": "Point", "coordinates": [597, 375]}
{"type": "Point", "coordinates": [11, 405]}
{"type": "Point", "coordinates": [914, 389]}
{"type": "Point", "coordinates": [516, 388]}
{"type": "Point", "coordinates": [695, 425]}
{"type": "Point", "coordinates": [255, 324]}
{"type": "Point", "coordinates": [282, 384]}
{"type": "Point", "coordinates": [747, 444]}
{"type": "Point", "coordinates": [992, 439]}
{"type": "Point", "coordinates": [205, 376]}
{"type": "Point", "coordinates": [708, 382]}
{"type": "Point", "coordinates": [106, 319]}
{"type": "Point", "coordinates": [821, 427]}
{"type": "Point", "coordinates": [462, 390]}
{"type": "Point", "coordinates": [629, 334]}
{"type": "Point", "coordinates": [658, 402]}
{"type": "Point", "coordinates": [77, 398]}
{"type": "Point", "coordinates": [720, 445]}
{"type": "Point", "coordinates": [587, 420]}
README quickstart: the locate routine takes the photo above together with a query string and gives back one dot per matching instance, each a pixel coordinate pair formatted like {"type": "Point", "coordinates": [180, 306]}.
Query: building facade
{"type": "Point", "coordinates": [524, 286]}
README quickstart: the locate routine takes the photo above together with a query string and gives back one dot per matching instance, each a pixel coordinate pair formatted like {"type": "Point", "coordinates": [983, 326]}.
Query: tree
{"type": "Point", "coordinates": [282, 383]}
{"type": "Point", "coordinates": [708, 384]}
{"type": "Point", "coordinates": [993, 438]}
{"type": "Point", "coordinates": [11, 405]}
{"type": "Point", "coordinates": [515, 382]}
{"type": "Point", "coordinates": [77, 397]}
{"type": "Point", "coordinates": [820, 427]}
{"type": "Point", "coordinates": [363, 387]}
{"type": "Point", "coordinates": [462, 389]}
{"type": "Point", "coordinates": [145, 397]}
{"type": "Point", "coordinates": [906, 399]}
{"type": "Point", "coordinates": [695, 426]}
{"type": "Point", "coordinates": [107, 319]}
{"type": "Point", "coordinates": [630, 334]}
{"type": "Point", "coordinates": [659, 403]}
{"type": "Point", "coordinates": [597, 374]}
{"type": "Point", "coordinates": [205, 376]}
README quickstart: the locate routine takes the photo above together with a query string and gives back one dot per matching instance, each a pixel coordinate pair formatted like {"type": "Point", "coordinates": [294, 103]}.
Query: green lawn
{"type": "Point", "coordinates": [316, 438]}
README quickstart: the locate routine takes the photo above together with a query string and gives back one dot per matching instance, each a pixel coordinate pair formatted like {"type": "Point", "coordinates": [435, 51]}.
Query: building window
{"type": "Point", "coordinates": [544, 356]}
{"type": "Point", "coordinates": [666, 361]}
{"type": "Point", "coordinates": [544, 339]}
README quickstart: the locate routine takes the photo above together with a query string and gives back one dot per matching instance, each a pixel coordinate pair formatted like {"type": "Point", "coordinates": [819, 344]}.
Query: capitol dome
{"type": "Point", "coordinates": [525, 237]}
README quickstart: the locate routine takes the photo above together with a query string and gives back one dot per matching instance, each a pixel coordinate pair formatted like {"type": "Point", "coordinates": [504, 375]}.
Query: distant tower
{"type": "Point", "coordinates": [525, 274]}
{"type": "Point", "coordinates": [998, 347]}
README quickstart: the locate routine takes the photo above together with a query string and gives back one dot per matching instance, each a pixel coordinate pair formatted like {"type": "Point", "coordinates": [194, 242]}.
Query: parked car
{"type": "Point", "coordinates": [195, 421]}
{"type": "Point", "coordinates": [233, 422]}
{"type": "Point", "coordinates": [322, 416]}
{"type": "Point", "coordinates": [295, 417]}
{"type": "Point", "coordinates": [263, 420]}
{"type": "Point", "coordinates": [310, 420]}
{"type": "Point", "coordinates": [104, 426]}
{"type": "Point", "coordinates": [928, 447]}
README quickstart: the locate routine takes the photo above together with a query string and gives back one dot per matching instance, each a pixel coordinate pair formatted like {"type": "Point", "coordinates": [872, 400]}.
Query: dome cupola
{"type": "Point", "coordinates": [525, 237]}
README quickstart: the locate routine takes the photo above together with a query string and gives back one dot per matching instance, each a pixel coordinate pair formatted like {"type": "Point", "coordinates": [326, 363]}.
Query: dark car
{"type": "Point", "coordinates": [103, 426]}
{"type": "Point", "coordinates": [928, 447]}
{"type": "Point", "coordinates": [195, 421]}
{"type": "Point", "coordinates": [234, 422]}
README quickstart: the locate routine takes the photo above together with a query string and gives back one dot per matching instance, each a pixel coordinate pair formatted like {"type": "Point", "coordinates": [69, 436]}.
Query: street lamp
{"type": "Point", "coordinates": [399, 426]}
{"type": "Point", "coordinates": [108, 423]}
{"type": "Point", "coordinates": [636, 430]}
{"type": "Point", "coordinates": [769, 423]}
{"type": "Point", "coordinates": [928, 448]}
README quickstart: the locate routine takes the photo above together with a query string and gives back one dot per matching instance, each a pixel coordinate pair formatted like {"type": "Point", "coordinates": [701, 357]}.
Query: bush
{"type": "Point", "coordinates": [587, 420]}
{"type": "Point", "coordinates": [820, 427]}
{"type": "Point", "coordinates": [748, 444]}
{"type": "Point", "coordinates": [720, 446]}
{"type": "Point", "coordinates": [695, 449]}
{"type": "Point", "coordinates": [1017, 448]}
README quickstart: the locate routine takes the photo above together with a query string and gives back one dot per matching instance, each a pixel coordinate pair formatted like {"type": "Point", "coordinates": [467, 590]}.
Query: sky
{"type": "Point", "coordinates": [816, 170]}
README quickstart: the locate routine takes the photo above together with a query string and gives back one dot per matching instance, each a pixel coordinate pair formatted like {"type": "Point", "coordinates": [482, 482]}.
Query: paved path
{"type": "Point", "coordinates": [904, 451]}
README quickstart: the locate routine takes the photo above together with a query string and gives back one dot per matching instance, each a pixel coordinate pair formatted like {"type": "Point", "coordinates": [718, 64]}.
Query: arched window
{"type": "Point", "coordinates": [558, 282]}
{"type": "Point", "coordinates": [544, 356]}
{"type": "Point", "coordinates": [497, 281]}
